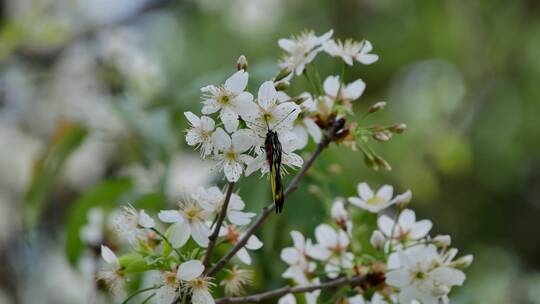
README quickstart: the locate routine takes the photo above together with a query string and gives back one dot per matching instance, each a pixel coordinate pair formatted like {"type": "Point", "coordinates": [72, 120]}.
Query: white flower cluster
{"type": "Point", "coordinates": [409, 265]}
{"type": "Point", "coordinates": [419, 268]}
{"type": "Point", "coordinates": [192, 219]}
{"type": "Point", "coordinates": [237, 146]}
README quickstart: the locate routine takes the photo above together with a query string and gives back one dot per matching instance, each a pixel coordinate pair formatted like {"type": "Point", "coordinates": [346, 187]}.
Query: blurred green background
{"type": "Point", "coordinates": [91, 100]}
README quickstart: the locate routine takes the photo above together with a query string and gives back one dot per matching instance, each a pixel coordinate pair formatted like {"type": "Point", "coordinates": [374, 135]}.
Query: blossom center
{"type": "Point", "coordinates": [376, 200]}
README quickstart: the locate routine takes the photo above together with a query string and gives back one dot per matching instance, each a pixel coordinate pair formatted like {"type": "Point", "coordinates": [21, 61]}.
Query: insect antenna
{"type": "Point", "coordinates": [283, 119]}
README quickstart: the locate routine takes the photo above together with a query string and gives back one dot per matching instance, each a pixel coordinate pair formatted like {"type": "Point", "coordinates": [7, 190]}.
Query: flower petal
{"type": "Point", "coordinates": [229, 119]}
{"type": "Point", "coordinates": [190, 270]}
{"type": "Point", "coordinates": [169, 216]}
{"type": "Point", "coordinates": [267, 96]}
{"type": "Point", "coordinates": [237, 82]}
{"type": "Point", "coordinates": [108, 256]}
{"type": "Point", "coordinates": [179, 234]}
{"type": "Point", "coordinates": [365, 191]}
{"type": "Point", "coordinates": [200, 233]}
{"type": "Point", "coordinates": [221, 140]}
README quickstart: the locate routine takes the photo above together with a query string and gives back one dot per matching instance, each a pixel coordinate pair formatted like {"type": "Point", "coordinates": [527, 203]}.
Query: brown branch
{"type": "Point", "coordinates": [329, 136]}
{"type": "Point", "coordinates": [213, 237]}
{"type": "Point", "coordinates": [255, 298]}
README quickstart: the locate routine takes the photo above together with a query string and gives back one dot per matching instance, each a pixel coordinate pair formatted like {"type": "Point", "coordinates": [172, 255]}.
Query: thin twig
{"type": "Point", "coordinates": [166, 240]}
{"type": "Point", "coordinates": [255, 298]}
{"type": "Point", "coordinates": [213, 237]}
{"type": "Point", "coordinates": [293, 185]}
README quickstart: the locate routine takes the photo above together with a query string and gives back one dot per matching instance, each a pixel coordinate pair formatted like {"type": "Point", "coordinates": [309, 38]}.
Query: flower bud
{"type": "Point", "coordinates": [282, 74]}
{"type": "Point", "coordinates": [377, 240]}
{"type": "Point", "coordinates": [463, 262]}
{"type": "Point", "coordinates": [282, 85]}
{"type": "Point", "coordinates": [442, 240]}
{"type": "Point", "coordinates": [382, 136]}
{"type": "Point", "coordinates": [376, 107]}
{"type": "Point", "coordinates": [242, 63]}
{"type": "Point", "coordinates": [398, 128]}
{"type": "Point", "coordinates": [381, 163]}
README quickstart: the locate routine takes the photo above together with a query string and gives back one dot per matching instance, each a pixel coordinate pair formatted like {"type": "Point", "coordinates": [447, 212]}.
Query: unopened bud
{"type": "Point", "coordinates": [377, 107]}
{"type": "Point", "coordinates": [282, 74]}
{"type": "Point", "coordinates": [377, 240]}
{"type": "Point", "coordinates": [463, 262]}
{"type": "Point", "coordinates": [334, 168]}
{"type": "Point", "coordinates": [382, 135]}
{"type": "Point", "coordinates": [398, 128]}
{"type": "Point", "coordinates": [370, 162]}
{"type": "Point", "coordinates": [314, 190]}
{"type": "Point", "coordinates": [442, 240]}
{"type": "Point", "coordinates": [242, 63]}
{"type": "Point", "coordinates": [299, 99]}
{"type": "Point", "coordinates": [282, 85]}
{"type": "Point", "coordinates": [381, 163]}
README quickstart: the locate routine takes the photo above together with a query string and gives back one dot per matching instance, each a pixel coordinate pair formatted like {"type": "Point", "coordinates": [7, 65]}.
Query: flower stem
{"type": "Point", "coordinates": [166, 240]}
{"type": "Point", "coordinates": [213, 237]}
{"type": "Point", "coordinates": [293, 185]}
{"type": "Point", "coordinates": [255, 298]}
{"type": "Point", "coordinates": [131, 296]}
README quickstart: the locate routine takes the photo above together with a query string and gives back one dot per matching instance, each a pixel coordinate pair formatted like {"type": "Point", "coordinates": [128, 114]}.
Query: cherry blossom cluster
{"type": "Point", "coordinates": [415, 266]}
{"type": "Point", "coordinates": [405, 263]}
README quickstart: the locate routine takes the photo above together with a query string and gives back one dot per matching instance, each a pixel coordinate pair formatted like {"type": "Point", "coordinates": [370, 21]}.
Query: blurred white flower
{"type": "Point", "coordinates": [377, 240]}
{"type": "Point", "coordinates": [230, 151]}
{"type": "Point", "coordinates": [301, 50]}
{"type": "Point", "coordinates": [212, 200]}
{"type": "Point", "coordinates": [145, 178]}
{"type": "Point", "coordinates": [287, 299]}
{"type": "Point", "coordinates": [340, 215]}
{"type": "Point", "coordinates": [406, 228]}
{"type": "Point", "coordinates": [113, 275]}
{"type": "Point", "coordinates": [188, 221]}
{"type": "Point", "coordinates": [351, 50]}
{"type": "Point", "coordinates": [186, 173]}
{"type": "Point", "coordinates": [297, 259]}
{"type": "Point", "coordinates": [168, 292]}
{"type": "Point", "coordinates": [130, 224]}
{"type": "Point", "coordinates": [92, 231]}
{"type": "Point", "coordinates": [346, 93]}
{"type": "Point", "coordinates": [199, 134]}
{"type": "Point", "coordinates": [420, 274]}
{"type": "Point", "coordinates": [191, 273]}
{"type": "Point", "coordinates": [230, 98]}
{"type": "Point", "coordinates": [331, 248]}
{"type": "Point", "coordinates": [375, 202]}
{"type": "Point", "coordinates": [233, 235]}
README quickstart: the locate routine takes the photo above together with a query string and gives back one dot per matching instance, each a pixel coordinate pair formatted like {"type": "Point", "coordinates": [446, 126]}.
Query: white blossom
{"type": "Point", "coordinates": [331, 248]}
{"type": "Point", "coordinates": [188, 221]}
{"type": "Point", "coordinates": [422, 274]}
{"type": "Point", "coordinates": [112, 275]}
{"type": "Point", "coordinates": [306, 125]}
{"type": "Point", "coordinates": [200, 133]}
{"type": "Point", "coordinates": [340, 215]}
{"type": "Point", "coordinates": [212, 200]}
{"type": "Point", "coordinates": [130, 224]}
{"type": "Point", "coordinates": [375, 202]}
{"type": "Point", "coordinates": [297, 259]}
{"type": "Point", "coordinates": [350, 50]}
{"type": "Point", "coordinates": [191, 272]}
{"type": "Point", "coordinates": [230, 99]}
{"type": "Point", "coordinates": [230, 149]}
{"type": "Point", "coordinates": [92, 231]}
{"type": "Point", "coordinates": [406, 229]}
{"type": "Point", "coordinates": [301, 50]}
{"type": "Point", "coordinates": [336, 90]}
{"type": "Point", "coordinates": [233, 235]}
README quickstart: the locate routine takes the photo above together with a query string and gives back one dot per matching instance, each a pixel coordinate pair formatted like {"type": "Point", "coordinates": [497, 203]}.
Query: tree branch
{"type": "Point", "coordinates": [255, 298]}
{"type": "Point", "coordinates": [329, 136]}
{"type": "Point", "coordinates": [213, 237]}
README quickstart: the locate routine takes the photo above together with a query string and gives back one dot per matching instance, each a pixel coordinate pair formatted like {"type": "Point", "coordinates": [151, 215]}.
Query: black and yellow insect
{"type": "Point", "coordinates": [272, 147]}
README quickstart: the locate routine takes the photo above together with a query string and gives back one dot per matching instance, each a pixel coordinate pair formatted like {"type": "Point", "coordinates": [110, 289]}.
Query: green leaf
{"type": "Point", "coordinates": [67, 138]}
{"type": "Point", "coordinates": [133, 263]}
{"type": "Point", "coordinates": [106, 195]}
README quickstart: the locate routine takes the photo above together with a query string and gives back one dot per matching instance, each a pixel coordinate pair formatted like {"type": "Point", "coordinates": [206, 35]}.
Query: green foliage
{"type": "Point", "coordinates": [48, 169]}
{"type": "Point", "coordinates": [106, 195]}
